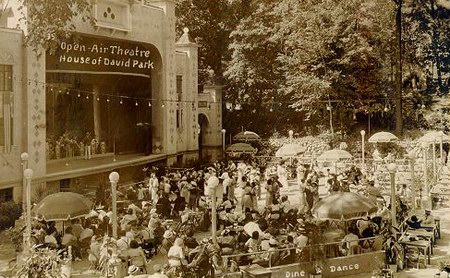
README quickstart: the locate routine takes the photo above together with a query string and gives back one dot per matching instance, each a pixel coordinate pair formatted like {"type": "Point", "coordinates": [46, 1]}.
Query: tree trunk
{"type": "Point", "coordinates": [398, 72]}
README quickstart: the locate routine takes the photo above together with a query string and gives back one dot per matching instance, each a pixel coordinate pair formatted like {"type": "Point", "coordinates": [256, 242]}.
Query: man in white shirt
{"type": "Point", "coordinates": [212, 182]}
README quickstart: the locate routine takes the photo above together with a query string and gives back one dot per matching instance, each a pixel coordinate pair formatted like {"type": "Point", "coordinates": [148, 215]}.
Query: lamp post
{"type": "Point", "coordinates": [329, 108]}
{"type": "Point", "coordinates": [28, 174]}
{"type": "Point", "coordinates": [434, 163]}
{"type": "Point", "coordinates": [114, 179]}
{"type": "Point", "coordinates": [392, 170]}
{"type": "Point", "coordinates": [24, 158]}
{"type": "Point", "coordinates": [291, 134]}
{"type": "Point", "coordinates": [224, 132]}
{"type": "Point", "coordinates": [425, 174]}
{"type": "Point", "coordinates": [363, 150]}
{"type": "Point", "coordinates": [412, 158]}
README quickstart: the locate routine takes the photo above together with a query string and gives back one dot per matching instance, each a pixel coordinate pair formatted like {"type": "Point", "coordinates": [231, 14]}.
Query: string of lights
{"type": "Point", "coordinates": [87, 94]}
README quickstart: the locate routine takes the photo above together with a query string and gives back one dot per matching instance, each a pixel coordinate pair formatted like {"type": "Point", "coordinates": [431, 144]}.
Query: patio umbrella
{"type": "Point", "coordinates": [343, 206]}
{"type": "Point", "coordinates": [62, 206]}
{"type": "Point", "coordinates": [335, 155]}
{"type": "Point", "coordinates": [434, 137]}
{"type": "Point", "coordinates": [246, 136]}
{"type": "Point", "coordinates": [289, 150]}
{"type": "Point", "coordinates": [383, 137]}
{"type": "Point", "coordinates": [240, 148]}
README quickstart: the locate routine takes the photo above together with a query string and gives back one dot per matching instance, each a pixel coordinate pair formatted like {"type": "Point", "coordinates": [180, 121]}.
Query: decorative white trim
{"type": "Point", "coordinates": [122, 26]}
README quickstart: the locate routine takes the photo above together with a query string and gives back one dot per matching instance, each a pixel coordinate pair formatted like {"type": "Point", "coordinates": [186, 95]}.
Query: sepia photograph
{"type": "Point", "coordinates": [224, 138]}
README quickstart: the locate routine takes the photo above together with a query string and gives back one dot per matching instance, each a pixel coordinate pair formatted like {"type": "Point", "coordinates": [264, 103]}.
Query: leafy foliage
{"type": "Point", "coordinates": [39, 262]}
{"type": "Point", "coordinates": [49, 21]}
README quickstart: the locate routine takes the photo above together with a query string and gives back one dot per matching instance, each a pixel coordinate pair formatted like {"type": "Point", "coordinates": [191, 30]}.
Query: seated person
{"type": "Point", "coordinates": [350, 241]}
{"type": "Point", "coordinates": [413, 222]}
{"type": "Point", "coordinates": [135, 255]}
{"type": "Point", "coordinates": [427, 219]}
{"type": "Point", "coordinates": [253, 244]}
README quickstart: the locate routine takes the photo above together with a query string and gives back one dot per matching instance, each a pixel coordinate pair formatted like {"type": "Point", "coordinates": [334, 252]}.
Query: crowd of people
{"type": "Point", "coordinates": [164, 212]}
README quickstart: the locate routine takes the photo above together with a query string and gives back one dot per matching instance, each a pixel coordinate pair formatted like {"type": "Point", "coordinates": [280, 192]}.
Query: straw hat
{"type": "Point", "coordinates": [133, 270]}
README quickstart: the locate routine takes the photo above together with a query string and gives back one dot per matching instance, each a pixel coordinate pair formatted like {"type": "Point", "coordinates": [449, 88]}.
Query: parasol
{"type": "Point", "coordinates": [240, 148]}
{"type": "Point", "coordinates": [290, 150]}
{"type": "Point", "coordinates": [246, 136]}
{"type": "Point", "coordinates": [383, 137]}
{"type": "Point", "coordinates": [434, 137]}
{"type": "Point", "coordinates": [335, 155]}
{"type": "Point", "coordinates": [62, 206]}
{"type": "Point", "coordinates": [343, 206]}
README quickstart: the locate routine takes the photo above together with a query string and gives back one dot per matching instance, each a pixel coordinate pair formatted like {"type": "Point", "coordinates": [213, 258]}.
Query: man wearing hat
{"type": "Point", "coordinates": [274, 254]}
{"type": "Point", "coordinates": [427, 219]}
{"type": "Point", "coordinates": [133, 271]}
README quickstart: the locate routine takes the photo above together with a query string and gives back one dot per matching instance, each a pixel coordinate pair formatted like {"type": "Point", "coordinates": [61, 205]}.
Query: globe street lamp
{"type": "Point", "coordinates": [392, 167]}
{"type": "Point", "coordinates": [114, 179]}
{"type": "Point", "coordinates": [363, 156]}
{"type": "Point", "coordinates": [329, 108]}
{"type": "Point", "coordinates": [24, 158]}
{"type": "Point", "coordinates": [224, 131]}
{"type": "Point", "coordinates": [28, 174]}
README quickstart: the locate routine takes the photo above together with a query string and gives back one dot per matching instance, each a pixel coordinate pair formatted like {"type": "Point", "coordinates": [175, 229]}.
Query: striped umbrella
{"type": "Point", "coordinates": [343, 206]}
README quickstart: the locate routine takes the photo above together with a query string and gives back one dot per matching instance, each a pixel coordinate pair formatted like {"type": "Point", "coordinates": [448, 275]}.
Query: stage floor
{"type": "Point", "coordinates": [66, 169]}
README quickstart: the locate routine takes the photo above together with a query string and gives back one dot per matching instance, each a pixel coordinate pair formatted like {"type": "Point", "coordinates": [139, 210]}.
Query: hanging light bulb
{"type": "Point", "coordinates": [87, 96]}
{"type": "Point", "coordinates": [386, 109]}
{"type": "Point", "coordinates": [79, 95]}
{"type": "Point", "coordinates": [136, 104]}
{"type": "Point", "coordinates": [59, 91]}
{"type": "Point", "coordinates": [107, 100]}
{"type": "Point", "coordinates": [51, 89]}
{"type": "Point", "coordinates": [121, 101]}
{"type": "Point", "coordinates": [162, 105]}
{"type": "Point", "coordinates": [98, 99]}
{"type": "Point", "coordinates": [67, 91]}
{"type": "Point", "coordinates": [149, 104]}
{"type": "Point", "coordinates": [271, 109]}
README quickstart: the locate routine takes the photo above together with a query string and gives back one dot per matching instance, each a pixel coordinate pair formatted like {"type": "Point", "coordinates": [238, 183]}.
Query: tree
{"type": "Point", "coordinates": [49, 21]}
{"type": "Point", "coordinates": [430, 20]}
{"type": "Point", "coordinates": [302, 54]}
{"type": "Point", "coordinates": [210, 23]}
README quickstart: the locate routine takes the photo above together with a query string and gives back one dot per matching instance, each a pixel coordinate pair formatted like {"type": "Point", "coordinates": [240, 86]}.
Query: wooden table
{"type": "Point", "coordinates": [435, 228]}
{"type": "Point", "coordinates": [423, 245]}
{"type": "Point", "coordinates": [428, 235]}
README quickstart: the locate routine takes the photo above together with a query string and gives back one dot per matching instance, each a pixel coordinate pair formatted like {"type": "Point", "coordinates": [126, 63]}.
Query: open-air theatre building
{"type": "Point", "coordinates": [122, 93]}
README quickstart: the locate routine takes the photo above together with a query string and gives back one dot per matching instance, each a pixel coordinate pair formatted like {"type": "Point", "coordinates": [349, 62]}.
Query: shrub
{"type": "Point", "coordinates": [9, 213]}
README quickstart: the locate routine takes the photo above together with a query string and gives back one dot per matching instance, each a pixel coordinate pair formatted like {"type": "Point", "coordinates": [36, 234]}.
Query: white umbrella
{"type": "Point", "coordinates": [289, 150]}
{"type": "Point", "coordinates": [434, 137]}
{"type": "Point", "coordinates": [383, 137]}
{"type": "Point", "coordinates": [335, 155]}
